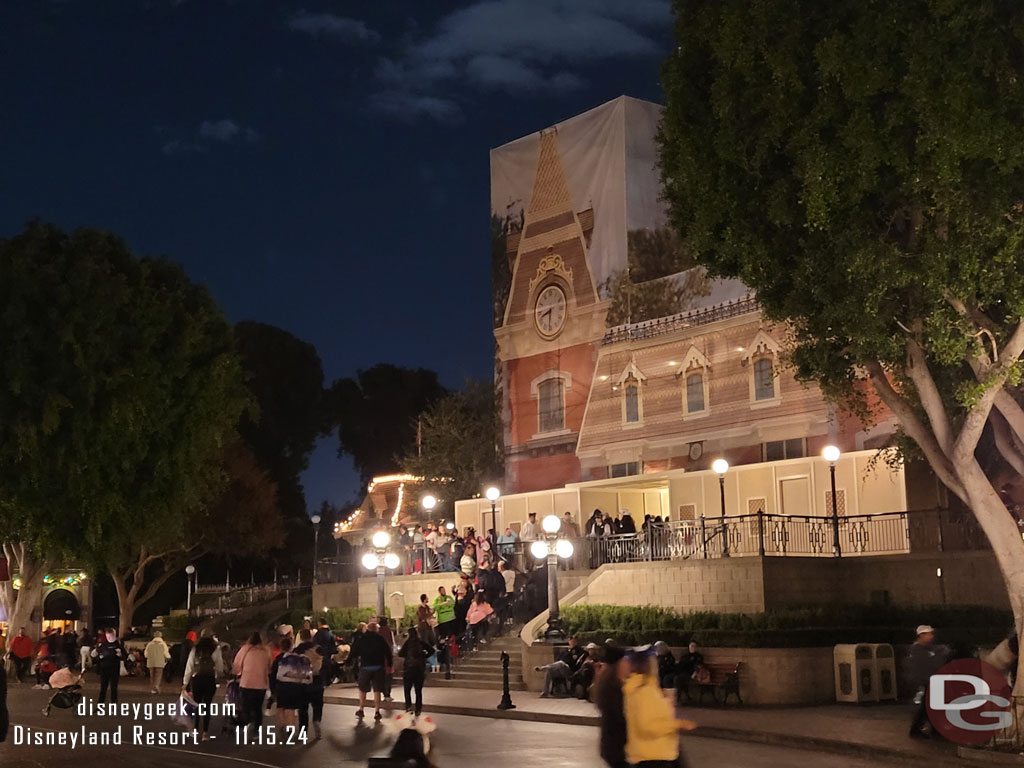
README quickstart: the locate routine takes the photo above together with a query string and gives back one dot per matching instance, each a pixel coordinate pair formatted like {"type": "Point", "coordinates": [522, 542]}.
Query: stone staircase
{"type": "Point", "coordinates": [482, 668]}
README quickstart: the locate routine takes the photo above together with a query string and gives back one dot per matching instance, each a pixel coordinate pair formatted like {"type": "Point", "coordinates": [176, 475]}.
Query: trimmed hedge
{"type": "Point", "coordinates": [794, 628]}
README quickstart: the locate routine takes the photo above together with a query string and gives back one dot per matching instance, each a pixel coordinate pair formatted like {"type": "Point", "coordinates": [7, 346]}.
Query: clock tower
{"type": "Point", "coordinates": [553, 319]}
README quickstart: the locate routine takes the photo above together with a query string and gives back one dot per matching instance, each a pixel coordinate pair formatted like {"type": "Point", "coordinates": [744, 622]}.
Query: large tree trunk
{"type": "Point", "coordinates": [129, 583]}
{"type": "Point", "coordinates": [19, 604]}
{"type": "Point", "coordinates": [1007, 545]}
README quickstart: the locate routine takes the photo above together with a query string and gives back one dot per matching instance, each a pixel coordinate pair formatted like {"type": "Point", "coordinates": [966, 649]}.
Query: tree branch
{"type": "Point", "coordinates": [1005, 443]}
{"type": "Point", "coordinates": [931, 400]}
{"type": "Point", "coordinates": [996, 376]}
{"type": "Point", "coordinates": [913, 426]}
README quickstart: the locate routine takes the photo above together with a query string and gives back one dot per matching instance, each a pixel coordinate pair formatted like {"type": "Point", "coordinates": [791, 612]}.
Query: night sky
{"type": "Point", "coordinates": [321, 166]}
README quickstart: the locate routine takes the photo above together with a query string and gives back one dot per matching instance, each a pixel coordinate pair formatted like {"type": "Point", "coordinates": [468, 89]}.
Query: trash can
{"type": "Point", "coordinates": [885, 671]}
{"type": "Point", "coordinates": [855, 673]}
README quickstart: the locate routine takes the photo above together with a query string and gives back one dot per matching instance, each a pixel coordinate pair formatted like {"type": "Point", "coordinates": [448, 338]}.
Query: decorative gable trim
{"type": "Point", "coordinates": [694, 359]}
{"type": "Point", "coordinates": [630, 369]}
{"type": "Point", "coordinates": [762, 345]}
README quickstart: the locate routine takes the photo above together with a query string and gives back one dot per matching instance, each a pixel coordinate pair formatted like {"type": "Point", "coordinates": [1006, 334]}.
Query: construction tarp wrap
{"type": "Point", "coordinates": [608, 157]}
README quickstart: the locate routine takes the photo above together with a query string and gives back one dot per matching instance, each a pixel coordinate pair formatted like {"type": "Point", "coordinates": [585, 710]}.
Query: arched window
{"type": "Point", "coordinates": [552, 405]}
{"type": "Point", "coordinates": [632, 395]}
{"type": "Point", "coordinates": [695, 391]}
{"type": "Point", "coordinates": [764, 379]}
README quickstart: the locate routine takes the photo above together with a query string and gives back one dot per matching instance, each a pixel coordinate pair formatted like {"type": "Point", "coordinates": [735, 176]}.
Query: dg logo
{"type": "Point", "coordinates": [969, 701]}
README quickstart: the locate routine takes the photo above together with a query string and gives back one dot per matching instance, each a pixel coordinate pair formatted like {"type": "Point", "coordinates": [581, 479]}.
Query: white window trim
{"type": "Point", "coordinates": [639, 404]}
{"type": "Point", "coordinates": [630, 370]}
{"type": "Point", "coordinates": [689, 415]}
{"type": "Point", "coordinates": [548, 375]}
{"type": "Point", "coordinates": [768, 402]}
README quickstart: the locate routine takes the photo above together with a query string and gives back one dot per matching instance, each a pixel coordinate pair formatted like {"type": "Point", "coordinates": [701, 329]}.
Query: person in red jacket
{"type": "Point", "coordinates": [21, 654]}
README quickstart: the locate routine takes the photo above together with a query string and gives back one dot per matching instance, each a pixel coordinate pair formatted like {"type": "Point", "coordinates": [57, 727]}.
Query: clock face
{"type": "Point", "coordinates": [550, 311]}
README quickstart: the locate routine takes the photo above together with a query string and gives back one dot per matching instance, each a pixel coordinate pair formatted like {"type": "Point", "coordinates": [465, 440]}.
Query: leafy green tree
{"type": "Point", "coordinates": [859, 164]}
{"type": "Point", "coordinates": [459, 443]}
{"type": "Point", "coordinates": [286, 379]}
{"type": "Point", "coordinates": [119, 389]}
{"type": "Point", "coordinates": [243, 521]}
{"type": "Point", "coordinates": [376, 414]}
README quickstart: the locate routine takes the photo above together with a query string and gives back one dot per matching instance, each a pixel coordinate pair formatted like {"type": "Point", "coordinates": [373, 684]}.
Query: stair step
{"type": "Point", "coordinates": [474, 684]}
{"type": "Point", "coordinates": [513, 669]}
{"type": "Point", "coordinates": [459, 674]}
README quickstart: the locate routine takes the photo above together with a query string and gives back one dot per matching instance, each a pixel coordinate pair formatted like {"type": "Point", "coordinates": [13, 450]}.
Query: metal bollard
{"type": "Point", "coordinates": [506, 696]}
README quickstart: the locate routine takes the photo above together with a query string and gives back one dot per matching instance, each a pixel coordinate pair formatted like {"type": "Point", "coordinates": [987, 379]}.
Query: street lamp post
{"type": "Point", "coordinates": [493, 494]}
{"type": "Point", "coordinates": [552, 547]}
{"type": "Point", "coordinates": [831, 455]}
{"type": "Point", "coordinates": [380, 560]}
{"type": "Point", "coordinates": [316, 541]}
{"type": "Point", "coordinates": [189, 570]}
{"type": "Point", "coordinates": [721, 466]}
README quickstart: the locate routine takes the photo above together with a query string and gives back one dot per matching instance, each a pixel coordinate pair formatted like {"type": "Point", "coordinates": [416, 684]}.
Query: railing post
{"type": "Point", "coordinates": [760, 532]}
{"type": "Point", "coordinates": [704, 536]}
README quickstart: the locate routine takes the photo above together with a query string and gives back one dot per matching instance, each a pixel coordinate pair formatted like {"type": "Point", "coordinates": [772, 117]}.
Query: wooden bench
{"type": "Point", "coordinates": [725, 676]}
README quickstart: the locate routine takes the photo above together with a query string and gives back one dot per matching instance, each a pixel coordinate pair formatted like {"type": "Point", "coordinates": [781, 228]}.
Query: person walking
{"type": "Point", "coordinates": [201, 676]}
{"type": "Point", "coordinates": [652, 729]}
{"type": "Point", "coordinates": [923, 660]}
{"type": "Point", "coordinates": [328, 644]}
{"type": "Point", "coordinates": [85, 644]}
{"type": "Point", "coordinates": [21, 654]}
{"type": "Point", "coordinates": [385, 630]}
{"type": "Point", "coordinates": [109, 654]}
{"type": "Point", "coordinates": [608, 698]}
{"type": "Point", "coordinates": [444, 611]}
{"type": "Point", "coordinates": [157, 655]}
{"type": "Point", "coordinates": [373, 655]}
{"type": "Point", "coordinates": [252, 667]}
{"type": "Point", "coordinates": [415, 652]}
{"type": "Point", "coordinates": [313, 691]}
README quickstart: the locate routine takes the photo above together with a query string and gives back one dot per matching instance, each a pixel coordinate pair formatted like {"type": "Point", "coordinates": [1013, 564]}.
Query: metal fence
{"type": "Point", "coordinates": [763, 534]}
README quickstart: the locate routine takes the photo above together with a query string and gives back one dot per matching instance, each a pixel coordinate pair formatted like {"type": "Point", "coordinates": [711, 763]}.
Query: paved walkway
{"type": "Point", "coordinates": [878, 731]}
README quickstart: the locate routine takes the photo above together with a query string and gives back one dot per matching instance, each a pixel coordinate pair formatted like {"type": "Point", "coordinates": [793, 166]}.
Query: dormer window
{"type": "Point", "coordinates": [695, 391]}
{"type": "Point", "coordinates": [764, 379]}
{"type": "Point", "coordinates": [630, 386]}
{"type": "Point", "coordinates": [695, 372]}
{"type": "Point", "coordinates": [762, 357]}
{"type": "Point", "coordinates": [631, 392]}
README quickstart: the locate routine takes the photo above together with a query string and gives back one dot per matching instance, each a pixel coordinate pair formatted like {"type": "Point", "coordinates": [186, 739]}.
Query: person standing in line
{"type": "Point", "coordinates": [201, 676]}
{"type": "Point", "coordinates": [425, 621]}
{"type": "Point", "coordinates": [313, 691]}
{"type": "Point", "coordinates": [157, 655]}
{"type": "Point", "coordinates": [374, 655]}
{"type": "Point", "coordinates": [569, 527]}
{"type": "Point", "coordinates": [444, 612]}
{"type": "Point", "coordinates": [415, 652]}
{"type": "Point", "coordinates": [652, 729]}
{"type": "Point", "coordinates": [252, 666]}
{"type": "Point", "coordinates": [529, 530]}
{"type": "Point", "coordinates": [21, 654]}
{"type": "Point", "coordinates": [109, 655]}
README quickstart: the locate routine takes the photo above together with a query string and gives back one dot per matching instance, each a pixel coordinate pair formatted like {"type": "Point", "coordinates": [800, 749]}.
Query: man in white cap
{"type": "Point", "coordinates": [923, 660]}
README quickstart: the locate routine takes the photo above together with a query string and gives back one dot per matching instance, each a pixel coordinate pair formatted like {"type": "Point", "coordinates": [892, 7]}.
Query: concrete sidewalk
{"type": "Point", "coordinates": [878, 731]}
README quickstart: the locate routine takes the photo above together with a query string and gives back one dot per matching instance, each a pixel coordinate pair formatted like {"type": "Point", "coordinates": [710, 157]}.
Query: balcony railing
{"type": "Point", "coordinates": [770, 535]}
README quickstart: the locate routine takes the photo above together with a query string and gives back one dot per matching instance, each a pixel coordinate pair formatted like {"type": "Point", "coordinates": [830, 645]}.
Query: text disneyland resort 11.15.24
{"type": "Point", "coordinates": [156, 724]}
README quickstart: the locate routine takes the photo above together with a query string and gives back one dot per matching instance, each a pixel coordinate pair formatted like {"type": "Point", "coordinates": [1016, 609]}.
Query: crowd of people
{"type": "Point", "coordinates": [438, 547]}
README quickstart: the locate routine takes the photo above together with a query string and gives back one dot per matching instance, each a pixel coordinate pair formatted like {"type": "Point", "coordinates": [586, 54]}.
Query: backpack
{"type": "Point", "coordinates": [294, 668]}
{"type": "Point", "coordinates": [205, 666]}
{"type": "Point", "coordinates": [316, 660]}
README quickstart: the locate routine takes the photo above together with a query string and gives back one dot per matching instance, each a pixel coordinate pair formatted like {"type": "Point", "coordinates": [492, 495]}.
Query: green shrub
{"type": "Point", "coordinates": [791, 628]}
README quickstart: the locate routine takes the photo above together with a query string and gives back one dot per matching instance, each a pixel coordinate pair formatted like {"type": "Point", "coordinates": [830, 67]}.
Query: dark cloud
{"type": "Point", "coordinates": [209, 132]}
{"type": "Point", "coordinates": [332, 26]}
{"type": "Point", "coordinates": [519, 46]}
{"type": "Point", "coordinates": [411, 106]}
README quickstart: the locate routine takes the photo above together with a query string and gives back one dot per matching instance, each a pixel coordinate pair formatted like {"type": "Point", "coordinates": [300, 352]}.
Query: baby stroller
{"type": "Point", "coordinates": [67, 690]}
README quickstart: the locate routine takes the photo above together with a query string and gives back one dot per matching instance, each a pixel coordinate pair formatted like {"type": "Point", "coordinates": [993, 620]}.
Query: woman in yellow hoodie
{"type": "Point", "coordinates": [652, 729]}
